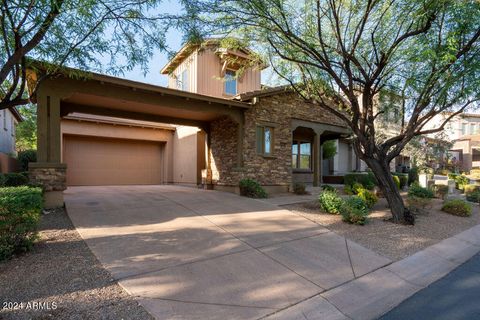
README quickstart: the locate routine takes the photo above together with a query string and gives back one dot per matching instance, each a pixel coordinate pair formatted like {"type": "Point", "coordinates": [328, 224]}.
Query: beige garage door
{"type": "Point", "coordinates": [98, 161]}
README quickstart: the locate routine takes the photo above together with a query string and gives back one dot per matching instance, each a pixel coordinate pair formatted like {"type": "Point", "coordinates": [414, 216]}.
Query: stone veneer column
{"type": "Point", "coordinates": [49, 172]}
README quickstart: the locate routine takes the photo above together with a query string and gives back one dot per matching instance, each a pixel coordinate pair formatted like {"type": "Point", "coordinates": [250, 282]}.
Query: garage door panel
{"type": "Point", "coordinates": [99, 161]}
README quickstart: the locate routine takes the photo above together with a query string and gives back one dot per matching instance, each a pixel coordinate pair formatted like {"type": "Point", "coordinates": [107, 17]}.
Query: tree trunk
{"type": "Point", "coordinates": [389, 189]}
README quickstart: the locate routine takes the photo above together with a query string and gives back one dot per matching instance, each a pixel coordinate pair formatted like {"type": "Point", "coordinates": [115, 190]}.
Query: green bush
{"type": "Point", "coordinates": [452, 176]}
{"type": "Point", "coordinates": [365, 179]}
{"type": "Point", "coordinates": [327, 187]}
{"type": "Point", "coordinates": [368, 196]}
{"type": "Point", "coordinates": [357, 187]}
{"type": "Point", "coordinates": [440, 190]}
{"type": "Point", "coordinates": [461, 181]}
{"type": "Point", "coordinates": [20, 209]}
{"type": "Point", "coordinates": [412, 175]}
{"type": "Point", "coordinates": [252, 189]}
{"type": "Point", "coordinates": [416, 190]}
{"type": "Point", "coordinates": [443, 172]}
{"type": "Point", "coordinates": [330, 202]}
{"type": "Point", "coordinates": [457, 207]}
{"type": "Point", "coordinates": [469, 188]}
{"type": "Point", "coordinates": [24, 157]}
{"type": "Point", "coordinates": [299, 188]}
{"type": "Point", "coordinates": [403, 177]}
{"type": "Point", "coordinates": [13, 179]}
{"type": "Point", "coordinates": [473, 196]}
{"type": "Point", "coordinates": [348, 190]}
{"type": "Point", "coordinates": [354, 210]}
{"type": "Point", "coordinates": [396, 179]}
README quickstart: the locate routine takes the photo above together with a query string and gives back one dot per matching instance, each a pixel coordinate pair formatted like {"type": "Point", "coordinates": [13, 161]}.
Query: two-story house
{"type": "Point", "coordinates": [464, 131]}
{"type": "Point", "coordinates": [213, 126]}
{"type": "Point", "coordinates": [9, 118]}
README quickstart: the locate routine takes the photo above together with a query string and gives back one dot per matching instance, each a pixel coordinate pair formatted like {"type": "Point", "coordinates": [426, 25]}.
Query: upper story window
{"type": "Point", "coordinates": [473, 128]}
{"type": "Point", "coordinates": [182, 81]}
{"type": "Point", "coordinates": [230, 83]}
{"type": "Point", "coordinates": [464, 128]}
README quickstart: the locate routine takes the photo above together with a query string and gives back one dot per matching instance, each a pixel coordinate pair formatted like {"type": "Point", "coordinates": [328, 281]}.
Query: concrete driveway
{"type": "Point", "coordinates": [187, 253]}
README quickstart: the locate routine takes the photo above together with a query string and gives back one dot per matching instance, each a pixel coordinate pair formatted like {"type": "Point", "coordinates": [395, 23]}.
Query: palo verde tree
{"type": "Point", "coordinates": [104, 35]}
{"type": "Point", "coordinates": [349, 51]}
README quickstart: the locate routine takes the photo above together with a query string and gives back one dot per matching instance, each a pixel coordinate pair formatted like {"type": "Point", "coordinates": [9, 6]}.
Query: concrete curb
{"type": "Point", "coordinates": [374, 294]}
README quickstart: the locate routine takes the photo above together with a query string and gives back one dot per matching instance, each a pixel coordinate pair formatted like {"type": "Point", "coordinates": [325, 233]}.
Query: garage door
{"type": "Point", "coordinates": [99, 161]}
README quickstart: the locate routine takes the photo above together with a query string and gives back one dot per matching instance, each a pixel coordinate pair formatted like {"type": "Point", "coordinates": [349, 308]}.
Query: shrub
{"type": "Point", "coordinates": [416, 190]}
{"type": "Point", "coordinates": [354, 210]}
{"type": "Point", "coordinates": [452, 176]}
{"type": "Point", "coordinates": [412, 175]}
{"type": "Point", "coordinates": [24, 157]}
{"type": "Point", "coordinates": [14, 179]}
{"type": "Point", "coordinates": [20, 209]}
{"type": "Point", "coordinates": [299, 188]}
{"type": "Point", "coordinates": [461, 181]}
{"type": "Point", "coordinates": [473, 196]}
{"type": "Point", "coordinates": [475, 172]}
{"type": "Point", "coordinates": [396, 179]}
{"type": "Point", "coordinates": [457, 207]}
{"type": "Point", "coordinates": [365, 179]}
{"type": "Point", "coordinates": [443, 172]}
{"type": "Point", "coordinates": [417, 204]}
{"type": "Point", "coordinates": [252, 189]}
{"type": "Point", "coordinates": [403, 178]}
{"type": "Point", "coordinates": [440, 190]}
{"type": "Point", "coordinates": [469, 188]}
{"type": "Point", "coordinates": [368, 196]}
{"type": "Point", "coordinates": [357, 187]}
{"type": "Point", "coordinates": [330, 202]}
{"type": "Point", "coordinates": [348, 190]}
{"type": "Point", "coordinates": [327, 187]}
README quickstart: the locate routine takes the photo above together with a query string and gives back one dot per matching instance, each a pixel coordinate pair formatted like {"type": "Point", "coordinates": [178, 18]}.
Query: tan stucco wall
{"type": "Point", "coordinates": [86, 128]}
{"type": "Point", "coordinates": [188, 152]}
{"type": "Point", "coordinates": [465, 147]}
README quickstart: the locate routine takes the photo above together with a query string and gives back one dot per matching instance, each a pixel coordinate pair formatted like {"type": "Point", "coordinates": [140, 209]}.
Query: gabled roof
{"type": "Point", "coordinates": [190, 47]}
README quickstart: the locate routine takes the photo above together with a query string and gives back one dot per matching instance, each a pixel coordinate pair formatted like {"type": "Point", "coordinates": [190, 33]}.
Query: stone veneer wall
{"type": "Point", "coordinates": [52, 179]}
{"type": "Point", "coordinates": [277, 111]}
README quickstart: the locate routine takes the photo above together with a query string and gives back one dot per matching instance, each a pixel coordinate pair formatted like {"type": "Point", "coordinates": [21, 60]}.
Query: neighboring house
{"type": "Point", "coordinates": [223, 127]}
{"type": "Point", "coordinates": [464, 131]}
{"type": "Point", "coordinates": [9, 118]}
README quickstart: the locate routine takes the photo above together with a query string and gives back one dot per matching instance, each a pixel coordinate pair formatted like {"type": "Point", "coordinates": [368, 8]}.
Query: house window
{"type": "Point", "coordinates": [265, 140]}
{"type": "Point", "coordinates": [472, 128]}
{"type": "Point", "coordinates": [464, 128]}
{"type": "Point", "coordinates": [302, 155]}
{"type": "Point", "coordinates": [182, 81]}
{"type": "Point", "coordinates": [230, 83]}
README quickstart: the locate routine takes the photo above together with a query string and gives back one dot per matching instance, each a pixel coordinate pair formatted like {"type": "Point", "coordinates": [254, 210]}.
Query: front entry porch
{"type": "Point", "coordinates": [307, 140]}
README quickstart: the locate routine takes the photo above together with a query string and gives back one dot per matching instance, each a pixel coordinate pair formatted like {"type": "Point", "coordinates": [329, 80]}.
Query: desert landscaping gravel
{"type": "Point", "coordinates": [61, 271]}
{"type": "Point", "coordinates": [391, 240]}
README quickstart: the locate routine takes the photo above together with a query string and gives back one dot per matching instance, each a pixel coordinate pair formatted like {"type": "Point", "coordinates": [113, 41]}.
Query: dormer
{"type": "Point", "coordinates": [212, 70]}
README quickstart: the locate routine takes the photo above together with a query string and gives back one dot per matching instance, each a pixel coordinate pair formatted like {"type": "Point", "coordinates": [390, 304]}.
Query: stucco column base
{"type": "Point", "coordinates": [52, 178]}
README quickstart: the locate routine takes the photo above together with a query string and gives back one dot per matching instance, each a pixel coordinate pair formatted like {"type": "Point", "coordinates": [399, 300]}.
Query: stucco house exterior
{"type": "Point", "coordinates": [211, 127]}
{"type": "Point", "coordinates": [464, 131]}
{"type": "Point", "coordinates": [9, 118]}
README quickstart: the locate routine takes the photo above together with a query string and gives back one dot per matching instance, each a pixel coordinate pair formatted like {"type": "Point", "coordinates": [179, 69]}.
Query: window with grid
{"type": "Point", "coordinates": [302, 155]}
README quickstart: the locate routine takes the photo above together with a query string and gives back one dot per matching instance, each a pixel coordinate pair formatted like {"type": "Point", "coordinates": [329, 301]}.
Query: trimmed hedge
{"type": "Point", "coordinates": [252, 189]}
{"type": "Point", "coordinates": [13, 179]}
{"type": "Point", "coordinates": [457, 207]}
{"type": "Point", "coordinates": [412, 175]}
{"type": "Point", "coordinates": [20, 209]}
{"type": "Point", "coordinates": [416, 190]}
{"type": "Point", "coordinates": [403, 178]}
{"type": "Point", "coordinates": [365, 179]}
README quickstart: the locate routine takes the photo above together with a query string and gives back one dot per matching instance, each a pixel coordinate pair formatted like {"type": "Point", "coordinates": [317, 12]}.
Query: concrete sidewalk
{"type": "Point", "coordinates": [376, 293]}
